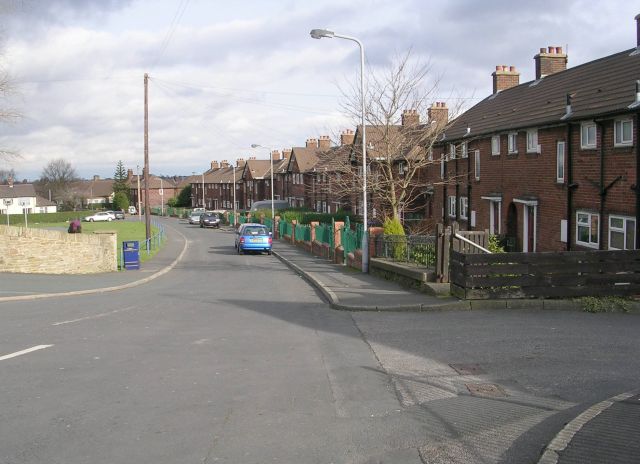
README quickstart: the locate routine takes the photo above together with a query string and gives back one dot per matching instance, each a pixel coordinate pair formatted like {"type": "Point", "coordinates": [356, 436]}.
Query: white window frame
{"type": "Point", "coordinates": [464, 208]}
{"type": "Point", "coordinates": [532, 141]}
{"type": "Point", "coordinates": [452, 152]}
{"type": "Point", "coordinates": [465, 150]}
{"type": "Point", "coordinates": [589, 224]}
{"type": "Point", "coordinates": [618, 133]}
{"type": "Point", "coordinates": [561, 147]}
{"type": "Point", "coordinates": [451, 208]}
{"type": "Point", "coordinates": [626, 220]}
{"type": "Point", "coordinates": [495, 145]}
{"type": "Point", "coordinates": [512, 143]}
{"type": "Point", "coordinates": [477, 163]}
{"type": "Point", "coordinates": [585, 127]}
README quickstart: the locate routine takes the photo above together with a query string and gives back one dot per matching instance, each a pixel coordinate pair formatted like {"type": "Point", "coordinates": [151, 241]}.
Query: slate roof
{"type": "Point", "coordinates": [257, 169]}
{"type": "Point", "coordinates": [96, 188]}
{"type": "Point", "coordinates": [602, 87]}
{"type": "Point", "coordinates": [306, 158]}
{"type": "Point", "coordinates": [42, 201]}
{"type": "Point", "coordinates": [17, 191]}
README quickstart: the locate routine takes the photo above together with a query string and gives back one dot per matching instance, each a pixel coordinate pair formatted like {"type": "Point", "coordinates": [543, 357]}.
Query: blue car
{"type": "Point", "coordinates": [253, 237]}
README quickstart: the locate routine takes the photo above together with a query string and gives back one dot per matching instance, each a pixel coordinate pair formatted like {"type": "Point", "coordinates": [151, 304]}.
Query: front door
{"type": "Point", "coordinates": [512, 228]}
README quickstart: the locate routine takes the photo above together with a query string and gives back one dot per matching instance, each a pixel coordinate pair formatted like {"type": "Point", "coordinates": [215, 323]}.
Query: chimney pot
{"type": "Point", "coordinates": [543, 50]}
{"type": "Point", "coordinates": [551, 49]}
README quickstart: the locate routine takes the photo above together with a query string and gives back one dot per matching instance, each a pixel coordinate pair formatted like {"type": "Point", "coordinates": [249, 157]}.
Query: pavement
{"type": "Point", "coordinates": [606, 432]}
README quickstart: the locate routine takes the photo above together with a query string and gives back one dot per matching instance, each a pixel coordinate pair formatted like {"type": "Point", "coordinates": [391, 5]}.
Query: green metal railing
{"type": "Point", "coordinates": [303, 233]}
{"type": "Point", "coordinates": [324, 234]}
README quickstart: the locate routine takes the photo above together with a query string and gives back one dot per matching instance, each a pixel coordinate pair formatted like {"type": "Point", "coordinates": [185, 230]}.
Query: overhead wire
{"type": "Point", "coordinates": [177, 17]}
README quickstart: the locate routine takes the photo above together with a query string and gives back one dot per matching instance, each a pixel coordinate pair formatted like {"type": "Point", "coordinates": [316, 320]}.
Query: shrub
{"type": "Point", "coordinates": [604, 304]}
{"type": "Point", "coordinates": [494, 245]}
{"type": "Point", "coordinates": [120, 201]}
{"type": "Point", "coordinates": [394, 227]}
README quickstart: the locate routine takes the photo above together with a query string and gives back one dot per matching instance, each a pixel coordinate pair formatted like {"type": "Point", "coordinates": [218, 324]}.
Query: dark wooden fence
{"type": "Point", "coordinates": [545, 275]}
{"type": "Point", "coordinates": [446, 241]}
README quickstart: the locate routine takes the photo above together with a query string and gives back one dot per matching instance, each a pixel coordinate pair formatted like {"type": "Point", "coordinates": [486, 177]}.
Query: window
{"type": "Point", "coordinates": [401, 168]}
{"type": "Point", "coordinates": [464, 207]}
{"type": "Point", "coordinates": [622, 233]}
{"type": "Point", "coordinates": [622, 132]}
{"type": "Point", "coordinates": [588, 135]}
{"type": "Point", "coordinates": [587, 225]}
{"type": "Point", "coordinates": [560, 162]}
{"type": "Point", "coordinates": [452, 206]}
{"type": "Point", "coordinates": [324, 206]}
{"type": "Point", "coordinates": [465, 150]}
{"type": "Point", "coordinates": [442, 166]}
{"type": "Point", "coordinates": [532, 141]}
{"type": "Point", "coordinates": [512, 140]}
{"type": "Point", "coordinates": [430, 154]}
{"type": "Point", "coordinates": [477, 159]}
{"type": "Point", "coordinates": [495, 145]}
{"type": "Point", "coordinates": [452, 152]}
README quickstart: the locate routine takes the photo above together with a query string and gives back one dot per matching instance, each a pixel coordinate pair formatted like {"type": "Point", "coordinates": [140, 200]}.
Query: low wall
{"type": "Point", "coordinates": [40, 251]}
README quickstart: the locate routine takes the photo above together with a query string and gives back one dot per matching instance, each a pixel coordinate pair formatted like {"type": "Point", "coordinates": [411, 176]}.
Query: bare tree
{"type": "Point", "coordinates": [7, 114]}
{"type": "Point", "coordinates": [58, 177]}
{"type": "Point", "coordinates": [400, 137]}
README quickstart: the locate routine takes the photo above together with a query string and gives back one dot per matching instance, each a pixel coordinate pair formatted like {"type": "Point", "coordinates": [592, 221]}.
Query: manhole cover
{"type": "Point", "coordinates": [467, 369]}
{"type": "Point", "coordinates": [485, 389]}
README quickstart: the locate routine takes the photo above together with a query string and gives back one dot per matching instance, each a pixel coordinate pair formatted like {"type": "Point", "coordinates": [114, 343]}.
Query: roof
{"type": "Point", "coordinates": [335, 159]}
{"type": "Point", "coordinates": [257, 169]}
{"type": "Point", "coordinates": [17, 191]}
{"type": "Point", "coordinates": [602, 87]}
{"type": "Point", "coordinates": [42, 201]}
{"type": "Point", "coordinates": [155, 182]}
{"type": "Point", "coordinates": [306, 158]}
{"type": "Point", "coordinates": [94, 188]}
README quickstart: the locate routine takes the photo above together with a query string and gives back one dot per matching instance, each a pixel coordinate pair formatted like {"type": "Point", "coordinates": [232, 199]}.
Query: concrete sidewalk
{"type": "Point", "coordinates": [607, 432]}
{"type": "Point", "coordinates": [349, 289]}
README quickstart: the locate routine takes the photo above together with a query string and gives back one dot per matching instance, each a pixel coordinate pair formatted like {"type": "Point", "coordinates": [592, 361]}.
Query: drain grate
{"type": "Point", "coordinates": [467, 369]}
{"type": "Point", "coordinates": [486, 389]}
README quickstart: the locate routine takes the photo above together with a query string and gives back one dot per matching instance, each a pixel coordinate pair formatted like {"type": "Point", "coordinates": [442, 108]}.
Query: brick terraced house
{"type": "Point", "coordinates": [550, 164]}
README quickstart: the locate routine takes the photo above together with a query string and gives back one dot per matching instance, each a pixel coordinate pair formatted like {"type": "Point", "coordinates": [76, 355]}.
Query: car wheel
{"type": "Point", "coordinates": [91, 220]}
{"type": "Point", "coordinates": [201, 226]}
{"type": "Point", "coordinates": [269, 252]}
{"type": "Point", "coordinates": [108, 219]}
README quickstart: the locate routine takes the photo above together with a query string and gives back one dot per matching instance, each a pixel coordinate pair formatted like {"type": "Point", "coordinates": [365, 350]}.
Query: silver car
{"type": "Point", "coordinates": [194, 218]}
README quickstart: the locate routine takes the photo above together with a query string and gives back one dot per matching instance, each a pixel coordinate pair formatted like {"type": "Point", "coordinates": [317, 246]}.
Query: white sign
{"type": "Point", "coordinates": [23, 203]}
{"type": "Point", "coordinates": [8, 201]}
{"type": "Point", "coordinates": [161, 191]}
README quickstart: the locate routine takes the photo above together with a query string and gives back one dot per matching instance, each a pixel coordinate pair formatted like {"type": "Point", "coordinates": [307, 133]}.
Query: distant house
{"type": "Point", "coordinates": [45, 206]}
{"type": "Point", "coordinates": [15, 198]}
{"type": "Point", "coordinates": [94, 193]}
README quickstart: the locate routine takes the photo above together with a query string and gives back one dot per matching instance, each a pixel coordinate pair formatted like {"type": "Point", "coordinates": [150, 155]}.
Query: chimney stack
{"type": "Point", "coordinates": [96, 177]}
{"type": "Point", "coordinates": [439, 113]}
{"type": "Point", "coordinates": [550, 61]}
{"type": "Point", "coordinates": [637, 18]}
{"type": "Point", "coordinates": [312, 143]}
{"type": "Point", "coordinates": [275, 155]}
{"type": "Point", "coordinates": [347, 137]}
{"type": "Point", "coordinates": [410, 118]}
{"type": "Point", "coordinates": [214, 165]}
{"type": "Point", "coordinates": [240, 162]}
{"type": "Point", "coordinates": [286, 153]}
{"type": "Point", "coordinates": [324, 143]}
{"type": "Point", "coordinates": [129, 174]}
{"type": "Point", "coordinates": [224, 164]}
{"type": "Point", "coordinates": [505, 77]}
{"type": "Point", "coordinates": [10, 181]}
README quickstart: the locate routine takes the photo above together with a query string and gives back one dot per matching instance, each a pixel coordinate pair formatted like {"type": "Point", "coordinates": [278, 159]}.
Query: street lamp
{"type": "Point", "coordinates": [203, 190]}
{"type": "Point", "coordinates": [273, 211]}
{"type": "Point", "coordinates": [319, 34]}
{"type": "Point", "coordinates": [139, 197]}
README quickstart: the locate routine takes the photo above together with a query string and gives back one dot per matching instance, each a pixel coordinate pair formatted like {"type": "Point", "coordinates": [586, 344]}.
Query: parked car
{"type": "Point", "coordinates": [100, 216]}
{"type": "Point", "coordinates": [209, 219]}
{"type": "Point", "coordinates": [132, 210]}
{"type": "Point", "coordinates": [194, 217]}
{"type": "Point", "coordinates": [119, 214]}
{"type": "Point", "coordinates": [253, 237]}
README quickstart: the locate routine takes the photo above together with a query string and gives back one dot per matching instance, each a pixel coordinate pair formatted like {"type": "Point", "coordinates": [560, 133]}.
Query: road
{"type": "Point", "coordinates": [236, 359]}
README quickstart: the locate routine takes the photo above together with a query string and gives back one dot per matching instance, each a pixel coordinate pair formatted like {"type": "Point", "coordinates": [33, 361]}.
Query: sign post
{"type": "Point", "coordinates": [7, 202]}
{"type": "Point", "coordinates": [24, 204]}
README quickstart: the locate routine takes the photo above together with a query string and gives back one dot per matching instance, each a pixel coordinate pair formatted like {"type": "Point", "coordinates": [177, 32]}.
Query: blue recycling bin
{"type": "Point", "coordinates": [131, 254]}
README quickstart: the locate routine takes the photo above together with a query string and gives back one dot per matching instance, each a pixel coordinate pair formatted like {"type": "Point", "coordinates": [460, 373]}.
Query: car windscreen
{"type": "Point", "coordinates": [255, 231]}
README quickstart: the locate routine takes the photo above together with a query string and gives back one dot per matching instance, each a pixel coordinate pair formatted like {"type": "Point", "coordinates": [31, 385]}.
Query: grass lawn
{"type": "Point", "coordinates": [125, 230]}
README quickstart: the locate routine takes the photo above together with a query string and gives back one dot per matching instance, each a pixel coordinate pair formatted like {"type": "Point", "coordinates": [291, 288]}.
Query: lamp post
{"type": "Point", "coordinates": [203, 190]}
{"type": "Point", "coordinates": [235, 217]}
{"type": "Point", "coordinates": [322, 33]}
{"type": "Point", "coordinates": [273, 211]}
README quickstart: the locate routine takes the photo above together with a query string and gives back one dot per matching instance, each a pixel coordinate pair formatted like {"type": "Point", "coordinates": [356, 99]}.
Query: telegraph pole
{"type": "Point", "coordinates": [147, 211]}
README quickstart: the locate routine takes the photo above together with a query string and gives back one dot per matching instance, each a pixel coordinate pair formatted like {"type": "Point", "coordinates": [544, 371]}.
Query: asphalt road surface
{"type": "Point", "coordinates": [236, 359]}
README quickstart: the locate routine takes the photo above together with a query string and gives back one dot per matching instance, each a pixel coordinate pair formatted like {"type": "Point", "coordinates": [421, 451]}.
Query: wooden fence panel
{"type": "Point", "coordinates": [545, 275]}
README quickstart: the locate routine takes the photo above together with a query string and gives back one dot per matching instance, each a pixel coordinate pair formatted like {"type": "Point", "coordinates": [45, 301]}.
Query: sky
{"type": "Point", "coordinates": [225, 75]}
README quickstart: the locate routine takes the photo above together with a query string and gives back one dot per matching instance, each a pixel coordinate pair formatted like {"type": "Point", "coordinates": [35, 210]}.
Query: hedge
{"type": "Point", "coordinates": [63, 216]}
